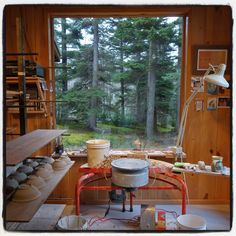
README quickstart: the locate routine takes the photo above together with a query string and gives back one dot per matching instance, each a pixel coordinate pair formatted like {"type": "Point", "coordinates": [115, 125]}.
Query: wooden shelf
{"type": "Point", "coordinates": [20, 148]}
{"type": "Point", "coordinates": [40, 84]}
{"type": "Point", "coordinates": [27, 112]}
{"type": "Point", "coordinates": [23, 212]}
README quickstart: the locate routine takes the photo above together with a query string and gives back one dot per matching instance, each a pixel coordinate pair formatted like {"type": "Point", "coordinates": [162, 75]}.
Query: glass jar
{"type": "Point", "coordinates": [217, 164]}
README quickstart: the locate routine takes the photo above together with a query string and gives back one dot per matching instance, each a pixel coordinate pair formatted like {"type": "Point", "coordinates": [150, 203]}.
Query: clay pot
{"type": "Point", "coordinates": [59, 164]}
{"type": "Point", "coordinates": [37, 181]}
{"type": "Point", "coordinates": [25, 193]}
{"type": "Point", "coordinates": [43, 172]}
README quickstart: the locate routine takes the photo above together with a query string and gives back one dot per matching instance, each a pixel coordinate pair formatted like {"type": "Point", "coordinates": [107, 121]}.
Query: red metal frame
{"type": "Point", "coordinates": [95, 174]}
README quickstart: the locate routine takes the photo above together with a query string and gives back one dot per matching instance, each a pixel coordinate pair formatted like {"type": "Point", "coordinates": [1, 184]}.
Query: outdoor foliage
{"type": "Point", "coordinates": [119, 72]}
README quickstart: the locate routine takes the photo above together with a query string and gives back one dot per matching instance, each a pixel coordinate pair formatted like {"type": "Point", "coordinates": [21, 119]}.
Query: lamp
{"type": "Point", "coordinates": [216, 78]}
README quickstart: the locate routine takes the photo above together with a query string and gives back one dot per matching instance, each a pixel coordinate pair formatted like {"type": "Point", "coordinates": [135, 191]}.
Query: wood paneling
{"type": "Point", "coordinates": [207, 132]}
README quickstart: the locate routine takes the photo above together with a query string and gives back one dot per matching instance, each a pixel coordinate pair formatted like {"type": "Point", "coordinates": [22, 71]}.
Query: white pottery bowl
{"type": "Point", "coordinates": [25, 193]}
{"type": "Point", "coordinates": [191, 222]}
{"type": "Point", "coordinates": [37, 181]}
{"type": "Point", "coordinates": [72, 222]}
{"type": "Point", "coordinates": [43, 173]}
{"type": "Point", "coordinates": [59, 164]}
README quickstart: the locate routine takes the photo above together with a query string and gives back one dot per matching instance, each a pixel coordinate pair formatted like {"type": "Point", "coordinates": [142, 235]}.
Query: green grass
{"type": "Point", "coordinates": [120, 137]}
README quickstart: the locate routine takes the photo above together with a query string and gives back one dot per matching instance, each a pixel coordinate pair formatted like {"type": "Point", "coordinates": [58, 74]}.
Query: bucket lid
{"type": "Point", "coordinates": [129, 164]}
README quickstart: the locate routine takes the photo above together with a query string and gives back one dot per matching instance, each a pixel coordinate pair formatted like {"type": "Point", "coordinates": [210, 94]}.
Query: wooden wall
{"type": "Point", "coordinates": [207, 132]}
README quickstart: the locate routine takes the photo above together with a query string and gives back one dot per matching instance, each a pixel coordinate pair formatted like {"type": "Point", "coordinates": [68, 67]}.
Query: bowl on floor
{"type": "Point", "coordinates": [191, 222]}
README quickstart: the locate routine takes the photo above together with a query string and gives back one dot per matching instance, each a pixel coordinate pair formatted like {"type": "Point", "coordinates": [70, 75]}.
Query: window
{"type": "Point", "coordinates": [119, 79]}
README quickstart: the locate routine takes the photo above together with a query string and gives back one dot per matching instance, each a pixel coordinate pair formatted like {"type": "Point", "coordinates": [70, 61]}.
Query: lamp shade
{"type": "Point", "coordinates": [218, 77]}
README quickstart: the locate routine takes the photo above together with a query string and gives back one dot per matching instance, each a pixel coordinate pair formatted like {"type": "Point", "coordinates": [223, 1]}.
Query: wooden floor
{"type": "Point", "coordinates": [45, 219]}
{"type": "Point", "coordinates": [216, 216]}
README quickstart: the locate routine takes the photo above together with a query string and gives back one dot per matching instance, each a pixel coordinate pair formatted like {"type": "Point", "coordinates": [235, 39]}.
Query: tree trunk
{"type": "Point", "coordinates": [179, 80]}
{"type": "Point", "coordinates": [150, 92]}
{"type": "Point", "coordinates": [64, 55]}
{"type": "Point", "coordinates": [122, 83]}
{"type": "Point", "coordinates": [93, 116]}
{"type": "Point", "coordinates": [140, 102]}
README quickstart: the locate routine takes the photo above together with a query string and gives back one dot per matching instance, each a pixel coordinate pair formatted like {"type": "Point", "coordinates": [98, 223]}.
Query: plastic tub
{"type": "Point", "coordinates": [191, 222]}
{"type": "Point", "coordinates": [97, 149]}
{"type": "Point", "coordinates": [72, 222]}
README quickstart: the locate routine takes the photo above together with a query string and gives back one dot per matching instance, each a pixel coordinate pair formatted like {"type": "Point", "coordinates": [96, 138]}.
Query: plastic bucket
{"type": "Point", "coordinates": [97, 149]}
{"type": "Point", "coordinates": [191, 222]}
{"type": "Point", "coordinates": [72, 222]}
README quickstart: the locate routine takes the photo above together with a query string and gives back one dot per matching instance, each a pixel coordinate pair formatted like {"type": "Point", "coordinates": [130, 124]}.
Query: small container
{"type": "Point", "coordinates": [72, 222]}
{"type": "Point", "coordinates": [201, 165]}
{"type": "Point", "coordinates": [217, 164]}
{"type": "Point", "coordinates": [59, 164]}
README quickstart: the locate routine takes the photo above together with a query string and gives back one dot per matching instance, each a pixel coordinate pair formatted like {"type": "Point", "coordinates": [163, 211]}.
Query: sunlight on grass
{"type": "Point", "coordinates": [120, 137]}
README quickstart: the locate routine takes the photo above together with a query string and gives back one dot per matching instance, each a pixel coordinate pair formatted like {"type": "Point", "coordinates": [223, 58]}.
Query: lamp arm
{"type": "Point", "coordinates": [183, 118]}
{"type": "Point", "coordinates": [185, 109]}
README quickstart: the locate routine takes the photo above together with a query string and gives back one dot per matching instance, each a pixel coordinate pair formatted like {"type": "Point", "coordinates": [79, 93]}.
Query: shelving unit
{"type": "Point", "coordinates": [38, 105]}
{"type": "Point", "coordinates": [24, 211]}
{"type": "Point", "coordinates": [18, 150]}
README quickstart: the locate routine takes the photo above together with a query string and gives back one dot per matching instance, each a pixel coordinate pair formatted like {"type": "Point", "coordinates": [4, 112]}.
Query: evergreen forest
{"type": "Point", "coordinates": [119, 79]}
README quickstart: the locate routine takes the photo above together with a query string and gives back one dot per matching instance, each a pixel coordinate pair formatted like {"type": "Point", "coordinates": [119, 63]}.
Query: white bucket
{"type": "Point", "coordinates": [97, 149]}
{"type": "Point", "coordinates": [191, 222]}
{"type": "Point", "coordinates": [72, 222]}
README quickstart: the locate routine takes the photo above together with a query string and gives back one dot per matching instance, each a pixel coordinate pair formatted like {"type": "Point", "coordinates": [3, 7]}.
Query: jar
{"type": "Point", "coordinates": [217, 164]}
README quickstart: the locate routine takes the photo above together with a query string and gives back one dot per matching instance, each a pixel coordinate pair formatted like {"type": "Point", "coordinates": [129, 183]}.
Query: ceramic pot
{"type": "Point", "coordinates": [25, 193]}
{"type": "Point", "coordinates": [37, 181]}
{"type": "Point", "coordinates": [59, 164]}
{"type": "Point", "coordinates": [43, 173]}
